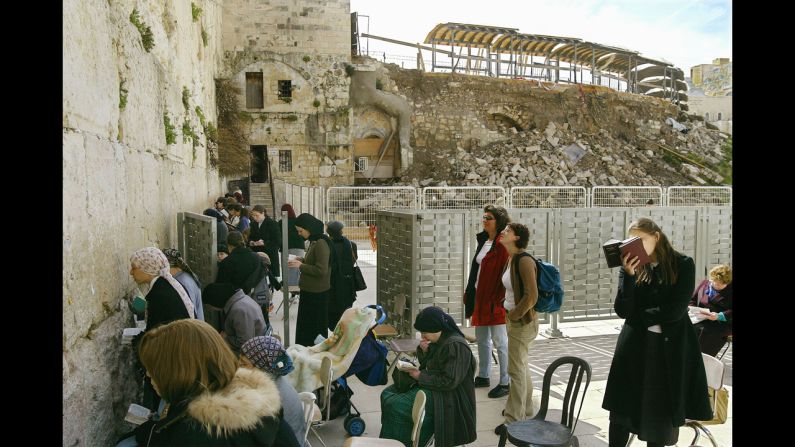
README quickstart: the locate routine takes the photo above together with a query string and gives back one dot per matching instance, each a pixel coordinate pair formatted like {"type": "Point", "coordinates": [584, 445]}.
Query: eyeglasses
{"type": "Point", "coordinates": [487, 217]}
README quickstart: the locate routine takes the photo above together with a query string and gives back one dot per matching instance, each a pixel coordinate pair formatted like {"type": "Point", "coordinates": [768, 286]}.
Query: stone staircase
{"type": "Point", "coordinates": [260, 194]}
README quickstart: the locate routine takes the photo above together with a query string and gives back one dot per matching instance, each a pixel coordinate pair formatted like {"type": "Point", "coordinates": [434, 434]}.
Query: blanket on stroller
{"type": "Point", "coordinates": [341, 347]}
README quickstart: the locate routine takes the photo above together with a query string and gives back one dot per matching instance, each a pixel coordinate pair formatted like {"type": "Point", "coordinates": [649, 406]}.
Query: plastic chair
{"type": "Point", "coordinates": [314, 416]}
{"type": "Point", "coordinates": [726, 349]}
{"type": "Point", "coordinates": [417, 415]}
{"type": "Point", "coordinates": [715, 370]}
{"type": "Point", "coordinates": [540, 432]}
{"type": "Point", "coordinates": [311, 413]}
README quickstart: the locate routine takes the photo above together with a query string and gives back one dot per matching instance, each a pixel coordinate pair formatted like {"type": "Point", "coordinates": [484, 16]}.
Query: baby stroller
{"type": "Point", "coordinates": [370, 366]}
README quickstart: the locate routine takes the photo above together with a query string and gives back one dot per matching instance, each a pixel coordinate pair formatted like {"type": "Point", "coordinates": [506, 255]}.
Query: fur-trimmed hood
{"type": "Point", "coordinates": [240, 406]}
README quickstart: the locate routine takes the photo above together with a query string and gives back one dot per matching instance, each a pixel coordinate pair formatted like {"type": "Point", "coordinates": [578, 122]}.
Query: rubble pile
{"type": "Point", "coordinates": [658, 154]}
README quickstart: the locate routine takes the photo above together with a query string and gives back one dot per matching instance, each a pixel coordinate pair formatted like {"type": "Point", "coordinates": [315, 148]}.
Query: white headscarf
{"type": "Point", "coordinates": [153, 262]}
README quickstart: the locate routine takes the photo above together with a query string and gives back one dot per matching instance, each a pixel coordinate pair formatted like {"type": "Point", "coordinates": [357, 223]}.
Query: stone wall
{"type": "Point", "coordinates": [455, 110]}
{"type": "Point", "coordinates": [701, 105]}
{"type": "Point", "coordinates": [123, 184]}
{"type": "Point", "coordinates": [307, 43]}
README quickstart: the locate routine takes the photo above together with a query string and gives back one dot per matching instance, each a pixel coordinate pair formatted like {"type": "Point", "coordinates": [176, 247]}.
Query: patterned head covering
{"type": "Point", "coordinates": [153, 262]}
{"type": "Point", "coordinates": [175, 259]}
{"type": "Point", "coordinates": [268, 354]}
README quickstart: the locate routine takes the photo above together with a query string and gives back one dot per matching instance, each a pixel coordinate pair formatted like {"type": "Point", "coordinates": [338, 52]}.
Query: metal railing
{"type": "Point", "coordinates": [462, 197]}
{"type": "Point", "coordinates": [548, 197]}
{"type": "Point", "coordinates": [608, 196]}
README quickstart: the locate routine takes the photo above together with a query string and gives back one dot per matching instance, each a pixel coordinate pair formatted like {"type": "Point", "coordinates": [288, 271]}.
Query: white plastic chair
{"type": "Point", "coordinates": [312, 413]}
{"type": "Point", "coordinates": [715, 370]}
{"type": "Point", "coordinates": [417, 415]}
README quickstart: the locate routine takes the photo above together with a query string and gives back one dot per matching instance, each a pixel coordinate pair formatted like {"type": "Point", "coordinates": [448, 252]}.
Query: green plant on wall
{"type": "Point", "coordinates": [287, 99]}
{"type": "Point", "coordinates": [185, 98]}
{"type": "Point", "coordinates": [200, 114]}
{"type": "Point", "coordinates": [204, 36]}
{"type": "Point", "coordinates": [379, 84]}
{"type": "Point", "coordinates": [196, 11]}
{"type": "Point", "coordinates": [122, 95]}
{"type": "Point", "coordinates": [211, 133]}
{"type": "Point", "coordinates": [171, 134]}
{"type": "Point", "coordinates": [187, 132]}
{"type": "Point", "coordinates": [307, 58]}
{"type": "Point", "coordinates": [147, 38]}
{"type": "Point", "coordinates": [316, 103]}
{"type": "Point", "coordinates": [349, 70]}
{"type": "Point", "coordinates": [291, 118]}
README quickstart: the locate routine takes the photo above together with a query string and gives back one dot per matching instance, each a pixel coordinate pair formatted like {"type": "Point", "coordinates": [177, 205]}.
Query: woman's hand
{"type": "Point", "coordinates": [259, 243]}
{"type": "Point", "coordinates": [513, 315]}
{"type": "Point", "coordinates": [712, 316]}
{"type": "Point", "coordinates": [415, 374]}
{"type": "Point", "coordinates": [294, 263]}
{"type": "Point", "coordinates": [424, 345]}
{"type": "Point", "coordinates": [630, 265]}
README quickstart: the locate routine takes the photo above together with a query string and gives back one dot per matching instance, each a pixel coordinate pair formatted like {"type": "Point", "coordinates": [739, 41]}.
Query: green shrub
{"type": "Point", "coordinates": [196, 11]}
{"type": "Point", "coordinates": [147, 38]}
{"type": "Point", "coordinates": [171, 135]}
{"type": "Point", "coordinates": [122, 95]}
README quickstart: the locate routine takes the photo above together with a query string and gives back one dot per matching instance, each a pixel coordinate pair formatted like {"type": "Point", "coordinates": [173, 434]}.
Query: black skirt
{"type": "Point", "coordinates": [654, 423]}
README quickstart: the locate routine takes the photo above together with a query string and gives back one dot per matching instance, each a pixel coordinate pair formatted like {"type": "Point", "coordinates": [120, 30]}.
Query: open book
{"type": "Point", "coordinates": [697, 314]}
{"type": "Point", "coordinates": [407, 366]}
{"type": "Point", "coordinates": [614, 250]}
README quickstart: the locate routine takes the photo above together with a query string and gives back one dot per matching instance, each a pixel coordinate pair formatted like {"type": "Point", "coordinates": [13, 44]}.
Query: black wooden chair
{"type": "Point", "coordinates": [540, 432]}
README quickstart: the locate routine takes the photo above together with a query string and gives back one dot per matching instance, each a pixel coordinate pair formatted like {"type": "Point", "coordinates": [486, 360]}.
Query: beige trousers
{"type": "Point", "coordinates": [520, 397]}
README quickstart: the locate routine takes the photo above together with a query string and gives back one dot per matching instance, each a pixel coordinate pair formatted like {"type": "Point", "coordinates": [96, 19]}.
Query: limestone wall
{"type": "Point", "coordinates": [123, 184]}
{"type": "Point", "coordinates": [307, 43]}
{"type": "Point", "coordinates": [455, 110]}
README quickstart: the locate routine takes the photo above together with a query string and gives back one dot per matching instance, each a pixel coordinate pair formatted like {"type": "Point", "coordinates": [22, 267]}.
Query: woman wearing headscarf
{"type": "Point", "coordinates": [315, 280]}
{"type": "Point", "coordinates": [211, 401]}
{"type": "Point", "coordinates": [343, 292]}
{"type": "Point", "coordinates": [446, 373]}
{"type": "Point", "coordinates": [267, 354]}
{"type": "Point", "coordinates": [166, 300]}
{"type": "Point", "coordinates": [182, 272]}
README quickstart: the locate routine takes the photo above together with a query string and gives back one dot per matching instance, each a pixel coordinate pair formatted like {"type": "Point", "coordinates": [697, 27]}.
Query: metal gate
{"type": "Point", "coordinates": [699, 195]}
{"type": "Point", "coordinates": [462, 197]}
{"type": "Point", "coordinates": [548, 197]}
{"type": "Point", "coordinates": [603, 196]}
{"type": "Point", "coordinates": [356, 207]}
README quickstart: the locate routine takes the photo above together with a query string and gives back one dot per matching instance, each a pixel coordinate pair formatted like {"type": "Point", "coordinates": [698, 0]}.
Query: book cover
{"type": "Point", "coordinates": [615, 249]}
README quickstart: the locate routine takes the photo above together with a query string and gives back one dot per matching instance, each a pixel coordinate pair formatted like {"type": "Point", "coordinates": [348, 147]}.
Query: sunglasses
{"type": "Point", "coordinates": [488, 217]}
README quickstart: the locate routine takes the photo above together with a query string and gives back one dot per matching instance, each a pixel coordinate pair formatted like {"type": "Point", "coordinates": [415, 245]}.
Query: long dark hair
{"type": "Point", "coordinates": [663, 251]}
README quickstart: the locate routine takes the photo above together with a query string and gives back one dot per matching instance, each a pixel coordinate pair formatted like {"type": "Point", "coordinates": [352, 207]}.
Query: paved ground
{"type": "Point", "coordinates": [593, 341]}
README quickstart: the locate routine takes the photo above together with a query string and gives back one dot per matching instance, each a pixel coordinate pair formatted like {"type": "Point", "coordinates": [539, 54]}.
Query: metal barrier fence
{"type": "Point", "coordinates": [604, 196]}
{"type": "Point", "coordinates": [699, 195]}
{"type": "Point", "coordinates": [304, 199]}
{"type": "Point", "coordinates": [425, 254]}
{"type": "Point", "coordinates": [462, 197]}
{"type": "Point", "coordinates": [356, 207]}
{"type": "Point", "coordinates": [548, 197]}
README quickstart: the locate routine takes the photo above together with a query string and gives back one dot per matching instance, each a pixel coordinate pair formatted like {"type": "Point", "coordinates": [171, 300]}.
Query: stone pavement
{"type": "Point", "coordinates": [593, 341]}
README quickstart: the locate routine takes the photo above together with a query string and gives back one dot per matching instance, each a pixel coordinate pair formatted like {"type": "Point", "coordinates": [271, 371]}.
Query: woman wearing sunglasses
{"type": "Point", "coordinates": [484, 295]}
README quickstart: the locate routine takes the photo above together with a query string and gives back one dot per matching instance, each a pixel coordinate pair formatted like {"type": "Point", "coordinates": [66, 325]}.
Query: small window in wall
{"type": "Point", "coordinates": [285, 89]}
{"type": "Point", "coordinates": [254, 91]}
{"type": "Point", "coordinates": [706, 116]}
{"type": "Point", "coordinates": [719, 116]}
{"type": "Point", "coordinates": [285, 161]}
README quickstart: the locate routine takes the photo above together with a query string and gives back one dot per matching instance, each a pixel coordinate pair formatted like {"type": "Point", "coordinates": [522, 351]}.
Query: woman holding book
{"type": "Point", "coordinates": [657, 377]}
{"type": "Point", "coordinates": [445, 374]}
{"type": "Point", "coordinates": [714, 296]}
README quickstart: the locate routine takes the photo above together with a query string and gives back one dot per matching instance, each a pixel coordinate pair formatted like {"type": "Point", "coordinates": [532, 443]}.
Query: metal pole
{"type": "Point", "coordinates": [285, 287]}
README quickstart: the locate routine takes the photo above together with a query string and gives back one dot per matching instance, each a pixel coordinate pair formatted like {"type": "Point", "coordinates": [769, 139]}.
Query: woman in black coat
{"type": "Point", "coordinates": [211, 402]}
{"type": "Point", "coordinates": [343, 292]}
{"type": "Point", "coordinates": [657, 376]}
{"type": "Point", "coordinates": [264, 236]}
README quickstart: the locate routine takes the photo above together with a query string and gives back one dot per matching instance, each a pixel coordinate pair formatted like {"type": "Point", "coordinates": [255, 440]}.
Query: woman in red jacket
{"type": "Point", "coordinates": [484, 295]}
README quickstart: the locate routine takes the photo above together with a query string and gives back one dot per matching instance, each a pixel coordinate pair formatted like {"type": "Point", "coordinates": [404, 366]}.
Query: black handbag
{"type": "Point", "coordinates": [358, 278]}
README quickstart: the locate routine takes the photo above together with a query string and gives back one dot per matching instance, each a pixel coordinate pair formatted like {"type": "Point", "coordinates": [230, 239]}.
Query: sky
{"type": "Point", "coordinates": [683, 32]}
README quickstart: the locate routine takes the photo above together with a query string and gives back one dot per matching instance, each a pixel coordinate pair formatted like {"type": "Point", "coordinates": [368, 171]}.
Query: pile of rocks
{"type": "Point", "coordinates": [558, 156]}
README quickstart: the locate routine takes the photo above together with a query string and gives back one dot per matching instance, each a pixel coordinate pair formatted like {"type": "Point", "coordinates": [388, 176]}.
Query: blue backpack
{"type": "Point", "coordinates": [550, 289]}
